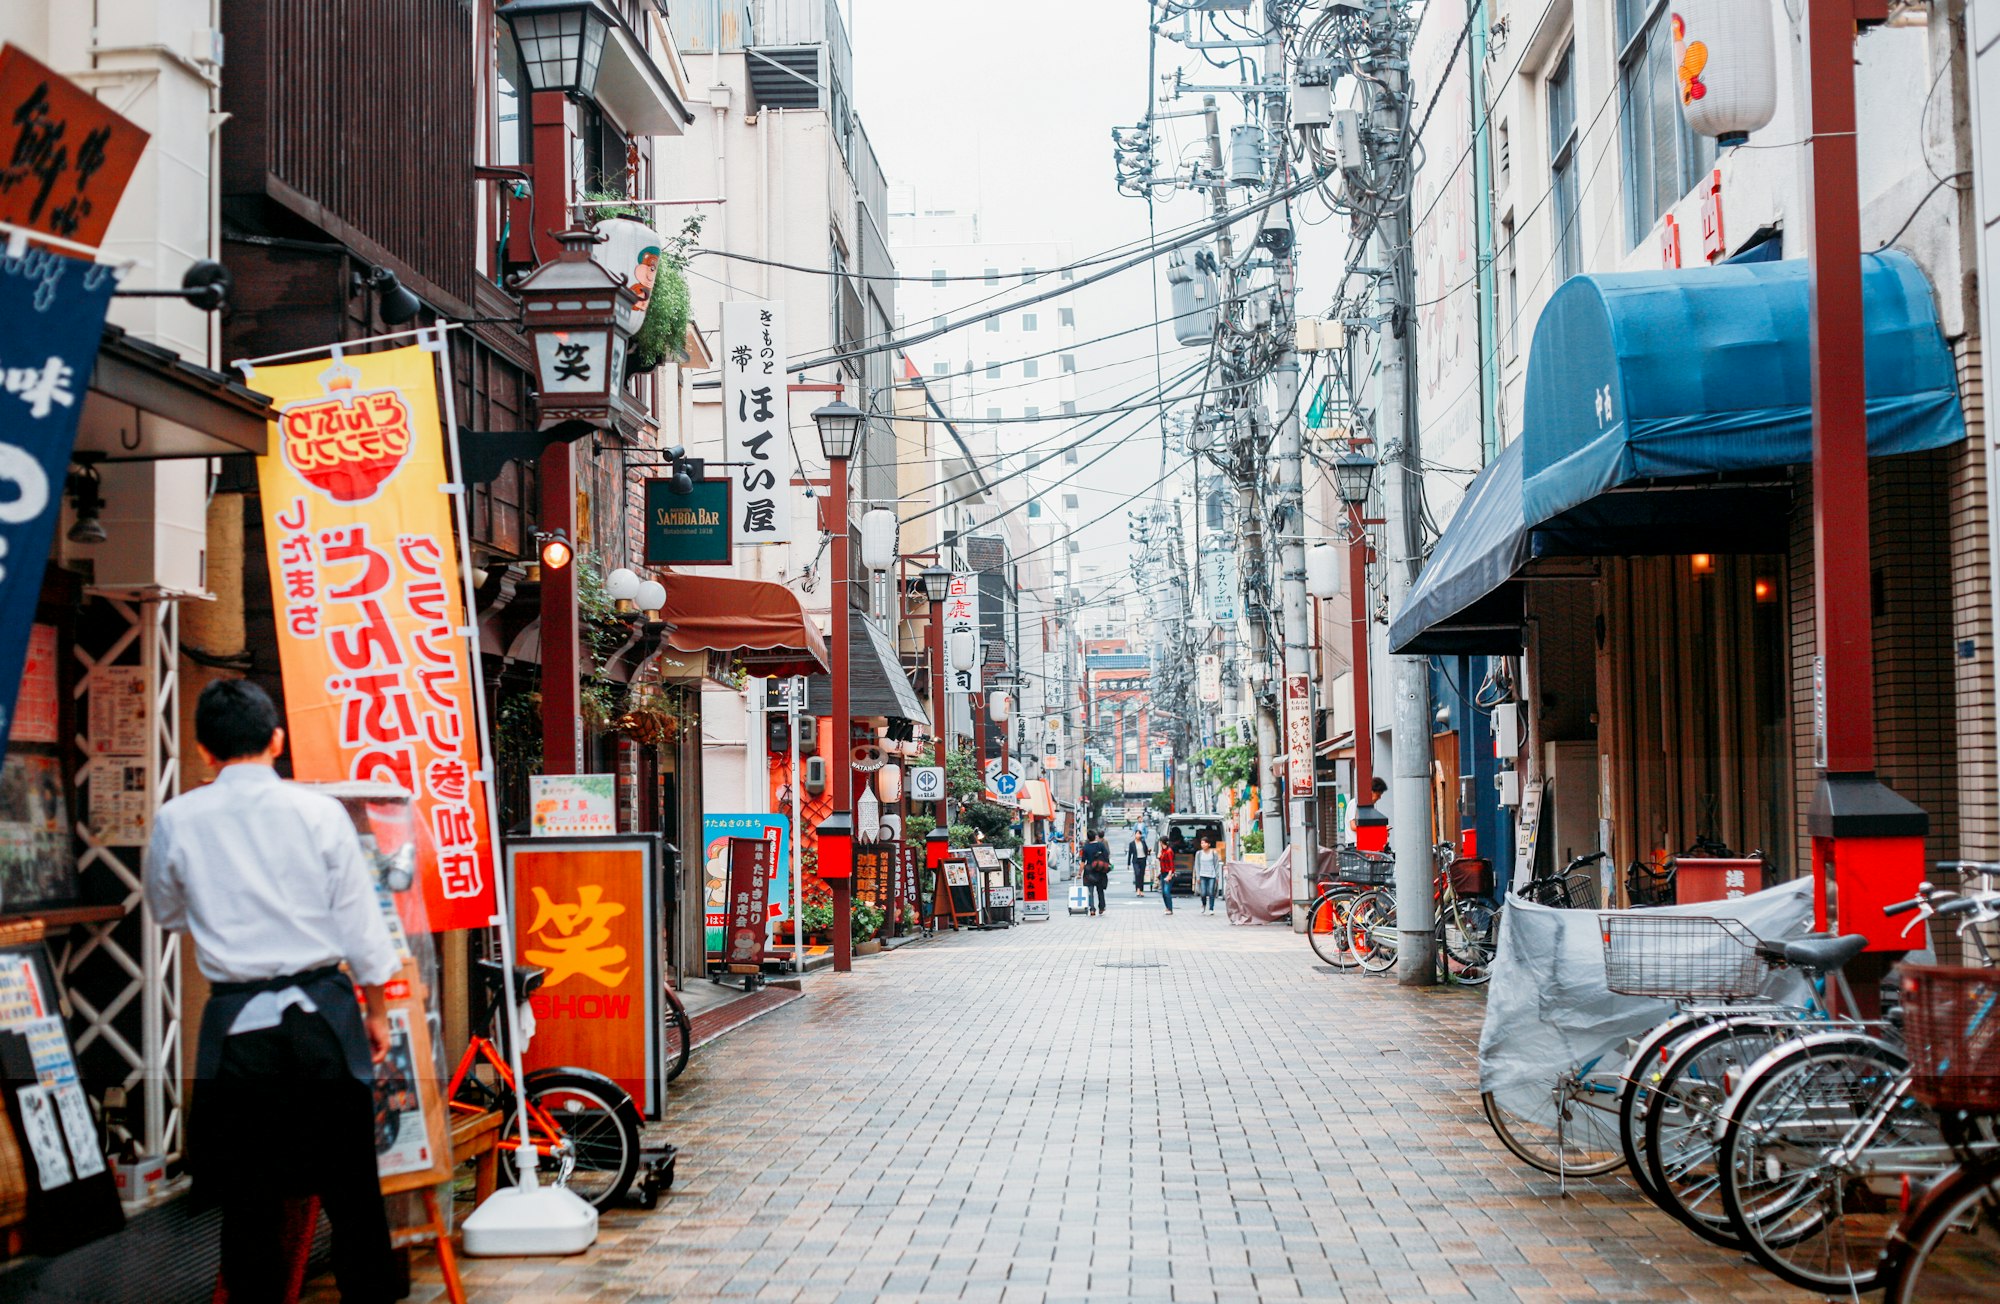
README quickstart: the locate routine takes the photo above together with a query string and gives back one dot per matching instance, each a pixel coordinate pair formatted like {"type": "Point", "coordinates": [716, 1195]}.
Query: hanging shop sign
{"type": "Point", "coordinates": [926, 783]}
{"type": "Point", "coordinates": [961, 633]}
{"type": "Point", "coordinates": [70, 156]}
{"type": "Point", "coordinates": [749, 926]}
{"type": "Point", "coordinates": [365, 580]}
{"type": "Point", "coordinates": [1035, 881]}
{"type": "Point", "coordinates": [588, 912]}
{"type": "Point", "coordinates": [1211, 678]}
{"type": "Point", "coordinates": [1298, 735]}
{"type": "Point", "coordinates": [756, 419]}
{"type": "Point", "coordinates": [716, 832]}
{"type": "Point", "coordinates": [690, 529]}
{"type": "Point", "coordinates": [572, 804]}
{"type": "Point", "coordinates": [51, 317]}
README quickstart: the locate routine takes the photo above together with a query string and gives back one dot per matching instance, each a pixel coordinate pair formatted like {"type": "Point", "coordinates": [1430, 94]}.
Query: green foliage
{"type": "Point", "coordinates": [995, 821]}
{"type": "Point", "coordinates": [1162, 802]}
{"type": "Point", "coordinates": [601, 195]}
{"type": "Point", "coordinates": [963, 777]}
{"type": "Point", "coordinates": [1229, 766]}
{"type": "Point", "coordinates": [961, 835]}
{"type": "Point", "coordinates": [518, 733]}
{"type": "Point", "coordinates": [1102, 794]}
{"type": "Point", "coordinates": [663, 333]}
{"type": "Point", "coordinates": [816, 918]}
{"type": "Point", "coordinates": [867, 920]}
{"type": "Point", "coordinates": [917, 827]}
{"type": "Point", "coordinates": [602, 634]}
{"type": "Point", "coordinates": [1253, 841]}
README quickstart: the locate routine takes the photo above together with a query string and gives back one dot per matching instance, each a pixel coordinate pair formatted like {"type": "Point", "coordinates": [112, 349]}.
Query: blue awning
{"type": "Point", "coordinates": [1638, 382]}
{"type": "Point", "coordinates": [1642, 376]}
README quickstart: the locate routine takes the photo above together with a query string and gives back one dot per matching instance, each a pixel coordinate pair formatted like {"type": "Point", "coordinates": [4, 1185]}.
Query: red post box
{"type": "Point", "coordinates": [836, 846]}
{"type": "Point", "coordinates": [1867, 852]}
{"type": "Point", "coordinates": [1371, 829]}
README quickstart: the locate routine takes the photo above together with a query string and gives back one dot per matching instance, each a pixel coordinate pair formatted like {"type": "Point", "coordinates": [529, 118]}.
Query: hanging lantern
{"type": "Point", "coordinates": [963, 648]}
{"type": "Point", "coordinates": [1323, 570]}
{"type": "Point", "coordinates": [867, 817]}
{"type": "Point", "coordinates": [878, 539]}
{"type": "Point", "coordinates": [889, 783]}
{"type": "Point", "coordinates": [1726, 65]}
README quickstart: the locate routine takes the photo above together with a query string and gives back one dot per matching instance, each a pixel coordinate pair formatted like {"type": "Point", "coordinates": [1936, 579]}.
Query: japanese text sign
{"type": "Point", "coordinates": [568, 804]}
{"type": "Point", "coordinates": [961, 618]}
{"type": "Point", "coordinates": [749, 894]}
{"type": "Point", "coordinates": [757, 419]}
{"type": "Point", "coordinates": [67, 157]}
{"type": "Point", "coordinates": [51, 317]}
{"type": "Point", "coordinates": [583, 910]}
{"type": "Point", "coordinates": [1035, 881]}
{"type": "Point", "coordinates": [690, 529]}
{"type": "Point", "coordinates": [372, 634]}
{"type": "Point", "coordinates": [1298, 735]}
{"type": "Point", "coordinates": [718, 831]}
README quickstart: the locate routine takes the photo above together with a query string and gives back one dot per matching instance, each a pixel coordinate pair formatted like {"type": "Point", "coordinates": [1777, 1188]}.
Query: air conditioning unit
{"type": "Point", "coordinates": [156, 517]}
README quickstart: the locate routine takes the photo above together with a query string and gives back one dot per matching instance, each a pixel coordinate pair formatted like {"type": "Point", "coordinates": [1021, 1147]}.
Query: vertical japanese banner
{"type": "Point", "coordinates": [961, 634]}
{"type": "Point", "coordinates": [51, 317]}
{"type": "Point", "coordinates": [757, 419]}
{"type": "Point", "coordinates": [718, 832]}
{"type": "Point", "coordinates": [749, 893]}
{"type": "Point", "coordinates": [1298, 735]}
{"type": "Point", "coordinates": [365, 582]}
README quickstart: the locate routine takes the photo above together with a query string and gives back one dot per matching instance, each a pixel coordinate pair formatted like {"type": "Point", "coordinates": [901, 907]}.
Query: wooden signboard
{"type": "Point", "coordinates": [954, 900]}
{"type": "Point", "coordinates": [874, 873]}
{"type": "Point", "coordinates": [71, 154]}
{"type": "Point", "coordinates": [586, 909]}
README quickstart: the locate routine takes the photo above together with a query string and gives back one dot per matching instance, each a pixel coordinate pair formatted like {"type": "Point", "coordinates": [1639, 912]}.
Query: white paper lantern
{"type": "Point", "coordinates": [867, 817]}
{"type": "Point", "coordinates": [889, 783]}
{"type": "Point", "coordinates": [1001, 707]}
{"type": "Point", "coordinates": [963, 649]}
{"type": "Point", "coordinates": [878, 539]}
{"type": "Point", "coordinates": [1725, 66]}
{"type": "Point", "coordinates": [1323, 570]}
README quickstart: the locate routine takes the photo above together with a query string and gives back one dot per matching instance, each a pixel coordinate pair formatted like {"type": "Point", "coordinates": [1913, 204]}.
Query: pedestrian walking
{"type": "Point", "coordinates": [1207, 871]}
{"type": "Point", "coordinates": [270, 881]}
{"type": "Point", "coordinates": [1136, 860]}
{"type": "Point", "coordinates": [1167, 874]}
{"type": "Point", "coordinates": [1096, 869]}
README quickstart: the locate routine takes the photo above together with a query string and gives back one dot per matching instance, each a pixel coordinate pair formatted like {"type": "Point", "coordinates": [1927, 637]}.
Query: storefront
{"type": "Point", "coordinates": [1645, 549]}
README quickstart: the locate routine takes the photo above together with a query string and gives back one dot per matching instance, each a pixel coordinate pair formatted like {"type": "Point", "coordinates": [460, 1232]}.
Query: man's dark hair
{"type": "Point", "coordinates": [234, 718]}
{"type": "Point", "coordinates": [1376, 786]}
{"type": "Point", "coordinates": [1096, 834]}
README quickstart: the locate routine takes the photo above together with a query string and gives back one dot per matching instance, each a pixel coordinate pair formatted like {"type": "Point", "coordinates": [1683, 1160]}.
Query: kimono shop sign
{"type": "Point", "coordinates": [69, 156]}
{"type": "Point", "coordinates": [756, 419]}
{"type": "Point", "coordinates": [51, 316]}
{"type": "Point", "coordinates": [961, 632]}
{"type": "Point", "coordinates": [372, 635]}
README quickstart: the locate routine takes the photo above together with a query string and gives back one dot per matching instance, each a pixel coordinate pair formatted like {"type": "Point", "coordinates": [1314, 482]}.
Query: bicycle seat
{"type": "Point", "coordinates": [527, 978]}
{"type": "Point", "coordinates": [1823, 952]}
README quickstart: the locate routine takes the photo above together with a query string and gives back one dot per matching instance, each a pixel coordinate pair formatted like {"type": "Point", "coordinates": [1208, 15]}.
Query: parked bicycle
{"type": "Point", "coordinates": [1465, 926]}
{"type": "Point", "coordinates": [1356, 872]}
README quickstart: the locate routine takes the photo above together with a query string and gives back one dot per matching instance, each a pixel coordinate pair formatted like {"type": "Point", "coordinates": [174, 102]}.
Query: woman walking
{"type": "Point", "coordinates": [1207, 871]}
{"type": "Point", "coordinates": [1096, 869]}
{"type": "Point", "coordinates": [1167, 874]}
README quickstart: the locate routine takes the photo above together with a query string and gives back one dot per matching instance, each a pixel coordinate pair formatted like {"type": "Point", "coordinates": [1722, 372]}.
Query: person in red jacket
{"type": "Point", "coordinates": [1167, 873]}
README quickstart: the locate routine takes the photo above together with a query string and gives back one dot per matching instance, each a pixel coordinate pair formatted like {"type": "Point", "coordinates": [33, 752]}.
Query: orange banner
{"type": "Point", "coordinates": [365, 581]}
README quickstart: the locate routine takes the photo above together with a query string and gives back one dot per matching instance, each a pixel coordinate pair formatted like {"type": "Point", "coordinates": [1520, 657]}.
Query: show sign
{"type": "Point", "coordinates": [365, 584]}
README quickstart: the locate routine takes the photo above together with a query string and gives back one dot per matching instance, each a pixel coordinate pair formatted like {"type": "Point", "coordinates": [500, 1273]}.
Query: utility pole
{"type": "Point", "coordinates": [1402, 490]}
{"type": "Point", "coordinates": [1295, 618]}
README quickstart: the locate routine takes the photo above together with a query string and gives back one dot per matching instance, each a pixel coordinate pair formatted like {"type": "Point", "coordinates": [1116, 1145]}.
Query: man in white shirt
{"type": "Point", "coordinates": [269, 880]}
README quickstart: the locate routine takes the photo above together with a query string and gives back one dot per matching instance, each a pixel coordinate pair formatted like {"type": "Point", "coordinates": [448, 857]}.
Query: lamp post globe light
{"type": "Point", "coordinates": [839, 426]}
{"type": "Point", "coordinates": [561, 42]}
{"type": "Point", "coordinates": [651, 597]}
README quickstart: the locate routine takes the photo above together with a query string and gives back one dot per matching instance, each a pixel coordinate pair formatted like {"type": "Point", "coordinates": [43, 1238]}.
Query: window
{"type": "Point", "coordinates": [1663, 158]}
{"type": "Point", "coordinates": [1034, 508]}
{"type": "Point", "coordinates": [1069, 274]}
{"type": "Point", "coordinates": [1069, 407]}
{"type": "Point", "coordinates": [1503, 150]}
{"type": "Point", "coordinates": [1031, 412]}
{"type": "Point", "coordinates": [1065, 316]}
{"type": "Point", "coordinates": [1561, 91]}
{"type": "Point", "coordinates": [511, 130]}
{"type": "Point", "coordinates": [598, 152]}
{"type": "Point", "coordinates": [993, 276]}
{"type": "Point", "coordinates": [1069, 502]}
{"type": "Point", "coordinates": [992, 371]}
{"type": "Point", "coordinates": [1027, 273]}
{"type": "Point", "coordinates": [940, 369]}
{"type": "Point", "coordinates": [1510, 284]}
{"type": "Point", "coordinates": [993, 325]}
{"type": "Point", "coordinates": [937, 323]}
{"type": "Point", "coordinates": [1068, 361]}
{"type": "Point", "coordinates": [1069, 459]}
{"type": "Point", "coordinates": [1028, 321]}
{"type": "Point", "coordinates": [1031, 368]}
{"type": "Point", "coordinates": [993, 414]}
{"type": "Point", "coordinates": [937, 276]}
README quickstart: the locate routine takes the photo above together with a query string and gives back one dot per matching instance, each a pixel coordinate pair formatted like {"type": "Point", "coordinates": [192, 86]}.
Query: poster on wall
{"type": "Point", "coordinates": [716, 830]}
{"type": "Point", "coordinates": [38, 707]}
{"type": "Point", "coordinates": [365, 583]}
{"type": "Point", "coordinates": [1298, 735]}
{"type": "Point", "coordinates": [757, 420]}
{"type": "Point", "coordinates": [570, 804]}
{"type": "Point", "coordinates": [37, 856]}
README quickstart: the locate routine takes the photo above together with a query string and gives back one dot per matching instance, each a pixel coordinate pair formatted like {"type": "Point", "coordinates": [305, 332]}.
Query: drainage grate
{"type": "Point", "coordinates": [1129, 964]}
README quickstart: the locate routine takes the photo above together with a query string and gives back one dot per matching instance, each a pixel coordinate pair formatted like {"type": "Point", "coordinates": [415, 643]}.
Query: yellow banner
{"type": "Point", "coordinates": [365, 581]}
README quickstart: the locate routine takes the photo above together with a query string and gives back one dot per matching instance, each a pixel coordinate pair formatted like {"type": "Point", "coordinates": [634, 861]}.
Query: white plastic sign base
{"type": "Point", "coordinates": [530, 1220]}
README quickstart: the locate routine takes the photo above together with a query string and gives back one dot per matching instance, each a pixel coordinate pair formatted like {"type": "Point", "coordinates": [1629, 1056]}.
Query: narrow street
{"type": "Point", "coordinates": [1134, 1108]}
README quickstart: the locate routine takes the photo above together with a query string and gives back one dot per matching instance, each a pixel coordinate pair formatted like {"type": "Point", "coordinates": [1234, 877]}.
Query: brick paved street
{"type": "Point", "coordinates": [1129, 1108]}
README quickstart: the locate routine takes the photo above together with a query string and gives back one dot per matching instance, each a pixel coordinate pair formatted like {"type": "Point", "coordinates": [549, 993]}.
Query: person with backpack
{"type": "Point", "coordinates": [1096, 869]}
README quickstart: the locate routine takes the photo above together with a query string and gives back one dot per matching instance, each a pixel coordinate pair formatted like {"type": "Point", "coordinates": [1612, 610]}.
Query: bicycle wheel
{"type": "Point", "coordinates": [1946, 1248]}
{"type": "Point", "coordinates": [1680, 1143]}
{"type": "Point", "coordinates": [1468, 936]}
{"type": "Point", "coordinates": [679, 1032]}
{"type": "Point", "coordinates": [1585, 1144]}
{"type": "Point", "coordinates": [1641, 1076]}
{"type": "Point", "coordinates": [1819, 1224]}
{"type": "Point", "coordinates": [1326, 927]}
{"type": "Point", "coordinates": [1371, 930]}
{"type": "Point", "coordinates": [600, 1129]}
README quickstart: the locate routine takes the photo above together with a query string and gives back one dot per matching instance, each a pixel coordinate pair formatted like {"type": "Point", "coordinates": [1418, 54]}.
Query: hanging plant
{"type": "Point", "coordinates": [662, 335]}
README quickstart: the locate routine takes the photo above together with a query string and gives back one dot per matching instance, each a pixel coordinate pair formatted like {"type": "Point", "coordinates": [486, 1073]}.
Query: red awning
{"type": "Point", "coordinates": [761, 623]}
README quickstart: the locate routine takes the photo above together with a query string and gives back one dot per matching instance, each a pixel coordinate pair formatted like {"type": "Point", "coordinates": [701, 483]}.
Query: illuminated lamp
{"type": "Point", "coordinates": [556, 552]}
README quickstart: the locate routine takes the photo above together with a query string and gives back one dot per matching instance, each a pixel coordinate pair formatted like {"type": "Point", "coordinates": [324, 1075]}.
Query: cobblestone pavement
{"type": "Point", "coordinates": [1134, 1107]}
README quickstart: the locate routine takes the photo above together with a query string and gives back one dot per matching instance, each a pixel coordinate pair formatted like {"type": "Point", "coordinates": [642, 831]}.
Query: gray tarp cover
{"type": "Point", "coordinates": [1548, 1010]}
{"type": "Point", "coordinates": [1258, 894]}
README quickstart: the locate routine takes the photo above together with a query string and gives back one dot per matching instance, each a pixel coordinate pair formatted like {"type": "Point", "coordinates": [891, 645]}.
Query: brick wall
{"type": "Point", "coordinates": [1972, 621]}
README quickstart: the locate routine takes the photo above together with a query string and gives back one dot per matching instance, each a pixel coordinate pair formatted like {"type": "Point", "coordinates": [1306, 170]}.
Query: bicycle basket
{"type": "Point", "coordinates": [1579, 891]}
{"type": "Point", "coordinates": [1951, 1022]}
{"type": "Point", "coordinates": [1681, 957]}
{"type": "Point", "coordinates": [1372, 868]}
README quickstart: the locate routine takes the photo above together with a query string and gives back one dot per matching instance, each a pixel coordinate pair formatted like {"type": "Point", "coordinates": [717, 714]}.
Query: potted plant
{"type": "Point", "coordinates": [816, 912]}
{"type": "Point", "coordinates": [867, 922]}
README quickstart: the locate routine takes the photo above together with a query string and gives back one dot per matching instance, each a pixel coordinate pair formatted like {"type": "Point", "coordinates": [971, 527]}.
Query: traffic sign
{"type": "Point", "coordinates": [1007, 784]}
{"type": "Point", "coordinates": [927, 783]}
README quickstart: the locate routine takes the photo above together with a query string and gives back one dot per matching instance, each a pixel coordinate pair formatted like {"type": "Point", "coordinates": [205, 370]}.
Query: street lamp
{"type": "Point", "coordinates": [1353, 475]}
{"type": "Point", "coordinates": [937, 582]}
{"type": "Point", "coordinates": [839, 430]}
{"type": "Point", "coordinates": [561, 42]}
{"type": "Point", "coordinates": [573, 309]}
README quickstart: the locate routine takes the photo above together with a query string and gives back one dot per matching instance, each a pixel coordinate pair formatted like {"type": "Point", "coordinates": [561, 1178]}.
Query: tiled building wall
{"type": "Point", "coordinates": [1972, 621]}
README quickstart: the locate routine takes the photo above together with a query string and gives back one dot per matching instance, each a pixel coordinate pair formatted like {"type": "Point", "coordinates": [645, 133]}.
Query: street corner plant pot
{"type": "Point", "coordinates": [869, 947]}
